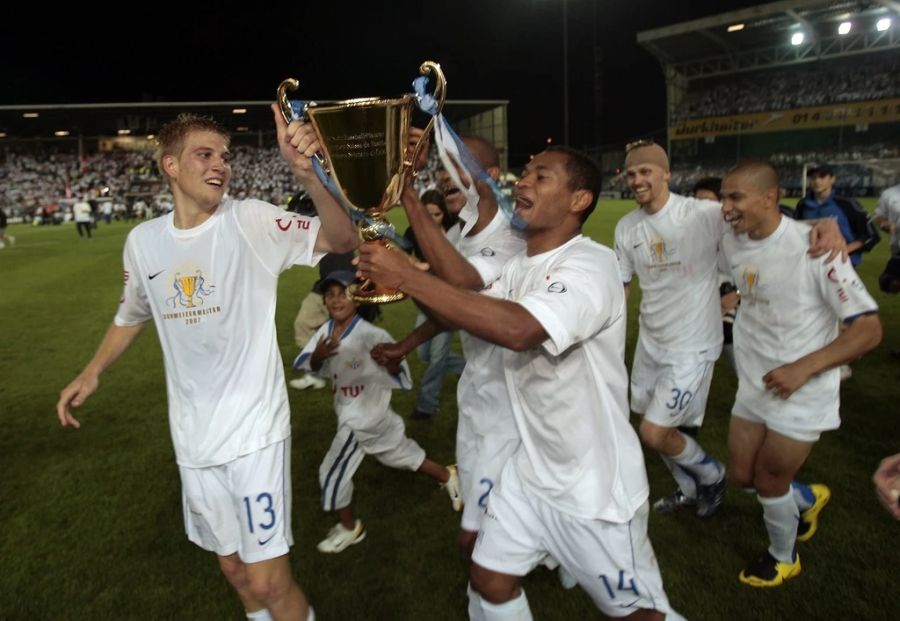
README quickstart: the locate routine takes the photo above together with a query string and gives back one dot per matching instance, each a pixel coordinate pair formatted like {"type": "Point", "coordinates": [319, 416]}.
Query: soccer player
{"type": "Point", "coordinates": [362, 401]}
{"type": "Point", "coordinates": [788, 351]}
{"type": "Point", "coordinates": [576, 487]}
{"type": "Point", "coordinates": [671, 243]}
{"type": "Point", "coordinates": [207, 275]}
{"type": "Point", "coordinates": [486, 434]}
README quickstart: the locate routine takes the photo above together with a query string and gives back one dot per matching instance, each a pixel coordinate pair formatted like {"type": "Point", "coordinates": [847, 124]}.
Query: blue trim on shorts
{"type": "Point", "coordinates": [333, 468]}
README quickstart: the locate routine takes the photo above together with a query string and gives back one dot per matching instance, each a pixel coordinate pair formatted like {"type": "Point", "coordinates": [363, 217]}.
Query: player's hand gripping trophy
{"type": "Point", "coordinates": [365, 156]}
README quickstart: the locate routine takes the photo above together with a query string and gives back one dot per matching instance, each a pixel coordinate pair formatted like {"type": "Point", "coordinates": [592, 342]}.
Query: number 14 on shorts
{"type": "Point", "coordinates": [623, 585]}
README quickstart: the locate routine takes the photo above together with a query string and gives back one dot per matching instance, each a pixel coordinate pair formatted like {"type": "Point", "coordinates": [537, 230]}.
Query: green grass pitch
{"type": "Point", "coordinates": [91, 525]}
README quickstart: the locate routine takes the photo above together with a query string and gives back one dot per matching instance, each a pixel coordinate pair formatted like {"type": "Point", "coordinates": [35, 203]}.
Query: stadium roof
{"type": "Point", "coordinates": [760, 37]}
{"type": "Point", "coordinates": [44, 121]}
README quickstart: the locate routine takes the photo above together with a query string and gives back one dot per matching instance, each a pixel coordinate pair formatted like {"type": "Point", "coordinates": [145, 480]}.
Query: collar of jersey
{"type": "Point", "coordinates": [197, 230]}
{"type": "Point", "coordinates": [356, 319]}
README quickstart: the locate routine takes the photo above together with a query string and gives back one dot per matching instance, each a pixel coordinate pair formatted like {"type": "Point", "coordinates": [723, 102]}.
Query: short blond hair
{"type": "Point", "coordinates": [171, 137]}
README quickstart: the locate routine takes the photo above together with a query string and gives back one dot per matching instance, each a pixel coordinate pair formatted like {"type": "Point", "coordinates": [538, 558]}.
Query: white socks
{"type": "Point", "coordinates": [705, 469]}
{"type": "Point", "coordinates": [781, 516]}
{"type": "Point", "coordinates": [515, 609]}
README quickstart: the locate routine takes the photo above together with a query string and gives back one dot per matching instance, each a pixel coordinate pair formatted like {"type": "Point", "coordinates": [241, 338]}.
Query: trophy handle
{"type": "Point", "coordinates": [291, 84]}
{"type": "Point", "coordinates": [440, 95]}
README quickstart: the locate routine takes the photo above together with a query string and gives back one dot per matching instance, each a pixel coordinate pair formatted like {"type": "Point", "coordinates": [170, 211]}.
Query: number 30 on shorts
{"type": "Point", "coordinates": [680, 399]}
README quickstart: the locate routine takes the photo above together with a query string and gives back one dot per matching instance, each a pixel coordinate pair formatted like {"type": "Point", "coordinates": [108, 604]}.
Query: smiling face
{"type": "Point", "coordinates": [650, 185]}
{"type": "Point", "coordinates": [339, 305]}
{"type": "Point", "coordinates": [750, 203]}
{"type": "Point", "coordinates": [200, 172]}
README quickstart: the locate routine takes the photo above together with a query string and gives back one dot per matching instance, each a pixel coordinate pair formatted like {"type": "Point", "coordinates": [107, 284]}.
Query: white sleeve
{"type": "Point", "coordinates": [302, 361]}
{"type": "Point", "coordinates": [578, 300]}
{"type": "Point", "coordinates": [491, 258]}
{"type": "Point", "coordinates": [843, 290]}
{"type": "Point", "coordinates": [134, 308]}
{"type": "Point", "coordinates": [279, 238]}
{"type": "Point", "coordinates": [623, 254]}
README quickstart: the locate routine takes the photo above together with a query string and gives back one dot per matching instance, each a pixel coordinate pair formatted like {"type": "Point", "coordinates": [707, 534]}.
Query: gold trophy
{"type": "Point", "coordinates": [364, 151]}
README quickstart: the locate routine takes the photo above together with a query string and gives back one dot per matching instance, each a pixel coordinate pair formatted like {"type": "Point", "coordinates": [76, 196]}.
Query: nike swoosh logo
{"type": "Point", "coordinates": [263, 542]}
{"type": "Point", "coordinates": [630, 604]}
{"type": "Point", "coordinates": [152, 276]}
{"type": "Point", "coordinates": [638, 245]}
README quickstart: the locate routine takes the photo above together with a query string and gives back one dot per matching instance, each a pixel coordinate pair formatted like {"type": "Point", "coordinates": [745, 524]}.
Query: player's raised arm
{"type": "Point", "coordinates": [298, 144]}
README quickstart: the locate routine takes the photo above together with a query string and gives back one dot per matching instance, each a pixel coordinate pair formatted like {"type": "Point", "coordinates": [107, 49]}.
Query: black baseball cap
{"type": "Point", "coordinates": [822, 170]}
{"type": "Point", "coordinates": [342, 277]}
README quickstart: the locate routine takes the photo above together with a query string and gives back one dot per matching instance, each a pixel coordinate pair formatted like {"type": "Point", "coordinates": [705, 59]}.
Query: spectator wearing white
{"type": "Point", "coordinates": [81, 211]}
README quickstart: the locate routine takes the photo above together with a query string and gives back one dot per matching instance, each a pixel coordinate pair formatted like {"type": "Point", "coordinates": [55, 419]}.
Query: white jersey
{"type": "Point", "coordinates": [211, 292]}
{"type": "Point", "coordinates": [361, 387]}
{"type": "Point", "coordinates": [673, 252]}
{"type": "Point", "coordinates": [579, 452]}
{"type": "Point", "coordinates": [790, 304]}
{"type": "Point", "coordinates": [481, 391]}
{"type": "Point", "coordinates": [889, 207]}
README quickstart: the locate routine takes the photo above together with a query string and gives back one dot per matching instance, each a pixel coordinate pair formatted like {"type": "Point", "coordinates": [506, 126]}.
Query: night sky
{"type": "Point", "coordinates": [490, 49]}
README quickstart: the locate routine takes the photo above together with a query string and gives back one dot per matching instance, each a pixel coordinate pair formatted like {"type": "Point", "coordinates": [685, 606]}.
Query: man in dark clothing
{"type": "Point", "coordinates": [823, 202]}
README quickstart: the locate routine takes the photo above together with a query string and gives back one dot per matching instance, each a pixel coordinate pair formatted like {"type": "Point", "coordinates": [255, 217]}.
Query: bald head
{"type": "Point", "coordinates": [759, 175]}
{"type": "Point", "coordinates": [484, 151]}
{"type": "Point", "coordinates": [647, 154]}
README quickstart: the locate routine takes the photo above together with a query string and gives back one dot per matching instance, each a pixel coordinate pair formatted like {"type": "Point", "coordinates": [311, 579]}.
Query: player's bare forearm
{"type": "Point", "coordinates": [863, 335]}
{"type": "Point", "coordinates": [444, 259]}
{"type": "Point", "coordinates": [114, 343]}
{"type": "Point", "coordinates": [337, 233]}
{"type": "Point", "coordinates": [498, 321]}
{"type": "Point", "coordinates": [826, 238]}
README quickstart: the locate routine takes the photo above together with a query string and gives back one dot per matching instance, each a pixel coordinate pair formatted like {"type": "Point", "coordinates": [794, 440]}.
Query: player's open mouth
{"type": "Point", "coordinates": [733, 218]}
{"type": "Point", "coordinates": [216, 182]}
{"type": "Point", "coordinates": [523, 204]}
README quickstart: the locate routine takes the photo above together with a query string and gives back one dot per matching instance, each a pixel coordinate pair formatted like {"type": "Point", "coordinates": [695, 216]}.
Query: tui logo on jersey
{"type": "Point", "coordinates": [286, 223]}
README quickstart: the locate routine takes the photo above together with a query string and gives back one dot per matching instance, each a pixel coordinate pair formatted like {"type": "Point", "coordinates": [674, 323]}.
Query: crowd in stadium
{"type": "Point", "coordinates": [43, 186]}
{"type": "Point", "coordinates": [846, 80]}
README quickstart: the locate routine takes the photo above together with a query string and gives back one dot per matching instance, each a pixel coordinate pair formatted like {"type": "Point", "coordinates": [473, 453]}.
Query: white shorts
{"type": "Point", "coordinates": [243, 506]}
{"type": "Point", "coordinates": [794, 427]}
{"type": "Point", "coordinates": [613, 563]}
{"type": "Point", "coordinates": [672, 393]}
{"type": "Point", "coordinates": [384, 439]}
{"type": "Point", "coordinates": [479, 460]}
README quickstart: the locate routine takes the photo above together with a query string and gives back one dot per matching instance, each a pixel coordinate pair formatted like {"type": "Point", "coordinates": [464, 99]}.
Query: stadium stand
{"type": "Point", "coordinates": [797, 82]}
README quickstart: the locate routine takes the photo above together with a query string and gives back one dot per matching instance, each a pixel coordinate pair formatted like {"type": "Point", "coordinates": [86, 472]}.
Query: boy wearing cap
{"type": "Point", "coordinates": [362, 401]}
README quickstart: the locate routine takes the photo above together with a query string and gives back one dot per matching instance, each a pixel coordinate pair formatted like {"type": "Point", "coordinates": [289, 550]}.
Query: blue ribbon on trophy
{"type": "Point", "coordinates": [387, 230]}
{"type": "Point", "coordinates": [455, 155]}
